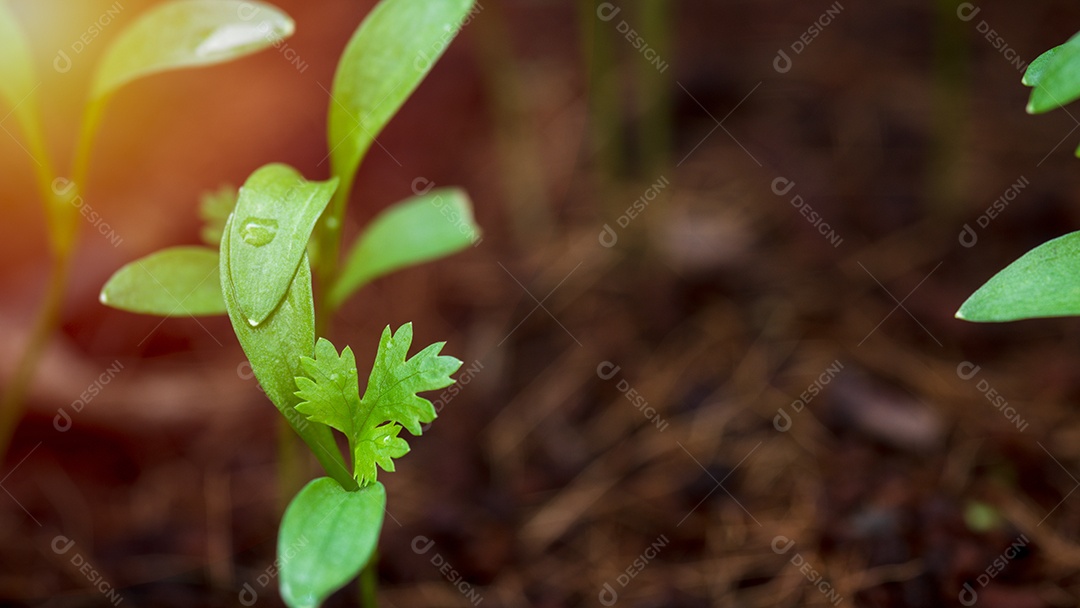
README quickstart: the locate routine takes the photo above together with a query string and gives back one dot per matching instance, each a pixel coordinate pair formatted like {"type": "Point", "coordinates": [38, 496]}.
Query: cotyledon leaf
{"type": "Point", "coordinates": [274, 349]}
{"type": "Point", "coordinates": [416, 230]}
{"type": "Point", "coordinates": [17, 79]}
{"type": "Point", "coordinates": [1055, 77]}
{"type": "Point", "coordinates": [1044, 282]}
{"type": "Point", "coordinates": [327, 535]}
{"type": "Point", "coordinates": [385, 60]}
{"type": "Point", "coordinates": [179, 281]}
{"type": "Point", "coordinates": [189, 33]}
{"type": "Point", "coordinates": [272, 223]}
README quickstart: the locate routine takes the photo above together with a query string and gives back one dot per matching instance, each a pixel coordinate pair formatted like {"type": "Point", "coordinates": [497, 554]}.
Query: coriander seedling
{"type": "Point", "coordinates": [264, 264]}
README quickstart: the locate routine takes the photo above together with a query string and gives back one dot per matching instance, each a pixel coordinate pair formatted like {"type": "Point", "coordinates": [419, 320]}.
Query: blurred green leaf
{"type": "Point", "coordinates": [1055, 76]}
{"type": "Point", "coordinates": [1044, 282]}
{"type": "Point", "coordinates": [275, 214]}
{"type": "Point", "coordinates": [415, 230]}
{"type": "Point", "coordinates": [173, 282]}
{"type": "Point", "coordinates": [386, 59]}
{"type": "Point", "coordinates": [274, 349]}
{"type": "Point", "coordinates": [18, 81]}
{"type": "Point", "coordinates": [214, 210]}
{"type": "Point", "coordinates": [1037, 68]}
{"type": "Point", "coordinates": [188, 33]}
{"type": "Point", "coordinates": [327, 535]}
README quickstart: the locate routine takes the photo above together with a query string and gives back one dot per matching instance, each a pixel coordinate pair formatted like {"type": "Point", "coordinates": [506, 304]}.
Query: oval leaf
{"type": "Point", "coordinates": [189, 33]}
{"type": "Point", "coordinates": [384, 62]}
{"type": "Point", "coordinates": [275, 214]}
{"type": "Point", "coordinates": [327, 535]}
{"type": "Point", "coordinates": [274, 349]}
{"type": "Point", "coordinates": [17, 79]}
{"type": "Point", "coordinates": [1044, 282]}
{"type": "Point", "coordinates": [416, 230]}
{"type": "Point", "coordinates": [1056, 78]}
{"type": "Point", "coordinates": [170, 283]}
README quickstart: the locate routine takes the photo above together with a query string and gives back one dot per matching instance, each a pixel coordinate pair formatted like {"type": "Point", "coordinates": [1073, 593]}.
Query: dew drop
{"type": "Point", "coordinates": [253, 322]}
{"type": "Point", "coordinates": [257, 231]}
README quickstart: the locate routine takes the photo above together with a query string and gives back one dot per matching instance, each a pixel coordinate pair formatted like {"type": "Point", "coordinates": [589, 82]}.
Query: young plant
{"type": "Point", "coordinates": [282, 228]}
{"type": "Point", "coordinates": [171, 35]}
{"type": "Point", "coordinates": [1044, 281]}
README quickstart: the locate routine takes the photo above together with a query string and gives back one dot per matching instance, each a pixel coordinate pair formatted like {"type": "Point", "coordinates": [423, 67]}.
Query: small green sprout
{"type": "Point", "coordinates": [264, 244]}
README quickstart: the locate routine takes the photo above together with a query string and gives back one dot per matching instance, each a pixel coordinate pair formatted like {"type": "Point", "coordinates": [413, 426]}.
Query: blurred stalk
{"type": "Point", "coordinates": [950, 99]}
{"type": "Point", "coordinates": [516, 141]}
{"type": "Point", "coordinates": [368, 583]}
{"type": "Point", "coordinates": [604, 113]}
{"type": "Point", "coordinates": [654, 90]}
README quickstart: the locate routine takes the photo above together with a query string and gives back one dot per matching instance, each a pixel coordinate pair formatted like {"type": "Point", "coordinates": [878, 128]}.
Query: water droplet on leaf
{"type": "Point", "coordinates": [257, 231]}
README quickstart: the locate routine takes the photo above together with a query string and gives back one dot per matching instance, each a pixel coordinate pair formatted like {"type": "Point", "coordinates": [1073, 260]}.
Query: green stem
{"type": "Point", "coordinates": [329, 252]}
{"type": "Point", "coordinates": [654, 133]}
{"type": "Point", "coordinates": [13, 402]}
{"type": "Point", "coordinates": [369, 582]}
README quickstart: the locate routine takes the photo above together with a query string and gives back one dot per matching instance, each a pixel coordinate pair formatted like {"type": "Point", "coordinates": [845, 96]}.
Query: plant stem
{"type": "Point", "coordinates": [13, 402]}
{"type": "Point", "coordinates": [369, 582]}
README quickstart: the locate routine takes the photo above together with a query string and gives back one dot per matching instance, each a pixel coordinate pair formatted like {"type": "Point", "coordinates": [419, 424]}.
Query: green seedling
{"type": "Point", "coordinates": [171, 35]}
{"type": "Point", "coordinates": [1043, 282]}
{"type": "Point", "coordinates": [266, 242]}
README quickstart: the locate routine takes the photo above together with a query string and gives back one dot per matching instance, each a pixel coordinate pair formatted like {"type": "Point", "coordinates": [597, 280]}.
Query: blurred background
{"type": "Point", "coordinates": [709, 350]}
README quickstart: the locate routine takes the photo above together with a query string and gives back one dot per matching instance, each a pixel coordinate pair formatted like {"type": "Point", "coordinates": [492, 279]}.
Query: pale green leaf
{"type": "Point", "coordinates": [274, 349]}
{"type": "Point", "coordinates": [1044, 282]}
{"type": "Point", "coordinates": [271, 226]}
{"type": "Point", "coordinates": [327, 536]}
{"type": "Point", "coordinates": [1056, 79]}
{"type": "Point", "coordinates": [214, 210]}
{"type": "Point", "coordinates": [416, 230]}
{"type": "Point", "coordinates": [18, 81]}
{"type": "Point", "coordinates": [173, 282]}
{"type": "Point", "coordinates": [189, 33]}
{"type": "Point", "coordinates": [386, 59]}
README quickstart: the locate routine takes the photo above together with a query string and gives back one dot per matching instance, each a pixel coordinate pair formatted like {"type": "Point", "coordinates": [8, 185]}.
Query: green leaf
{"type": "Point", "coordinates": [188, 33]}
{"type": "Point", "coordinates": [214, 210]}
{"type": "Point", "coordinates": [386, 59]}
{"type": "Point", "coordinates": [1044, 282]}
{"type": "Point", "coordinates": [329, 390]}
{"type": "Point", "coordinates": [274, 349]}
{"type": "Point", "coordinates": [1056, 78]}
{"type": "Point", "coordinates": [18, 81]}
{"type": "Point", "coordinates": [415, 230]}
{"type": "Point", "coordinates": [327, 535]}
{"type": "Point", "coordinates": [271, 226]}
{"type": "Point", "coordinates": [170, 283]}
{"type": "Point", "coordinates": [1036, 69]}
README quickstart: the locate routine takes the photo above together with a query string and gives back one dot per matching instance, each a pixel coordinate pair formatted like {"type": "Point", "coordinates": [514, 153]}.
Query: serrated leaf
{"type": "Point", "coordinates": [1056, 79]}
{"type": "Point", "coordinates": [274, 349]}
{"type": "Point", "coordinates": [329, 392]}
{"type": "Point", "coordinates": [214, 210]}
{"type": "Point", "coordinates": [1044, 282]}
{"type": "Point", "coordinates": [327, 536]}
{"type": "Point", "coordinates": [275, 214]}
{"type": "Point", "coordinates": [180, 281]}
{"type": "Point", "coordinates": [418, 229]}
{"type": "Point", "coordinates": [1035, 70]}
{"type": "Point", "coordinates": [188, 33]}
{"type": "Point", "coordinates": [18, 81]}
{"type": "Point", "coordinates": [386, 59]}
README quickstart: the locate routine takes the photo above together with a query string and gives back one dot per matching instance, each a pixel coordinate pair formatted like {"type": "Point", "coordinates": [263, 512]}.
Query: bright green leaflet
{"type": "Point", "coordinates": [327, 535]}
{"type": "Point", "coordinates": [390, 53]}
{"type": "Point", "coordinates": [271, 226]}
{"type": "Point", "coordinates": [1056, 77]}
{"type": "Point", "coordinates": [188, 33]}
{"type": "Point", "coordinates": [1044, 282]}
{"type": "Point", "coordinates": [172, 282]}
{"type": "Point", "coordinates": [416, 230]}
{"type": "Point", "coordinates": [330, 393]}
{"type": "Point", "coordinates": [17, 79]}
{"type": "Point", "coordinates": [274, 349]}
